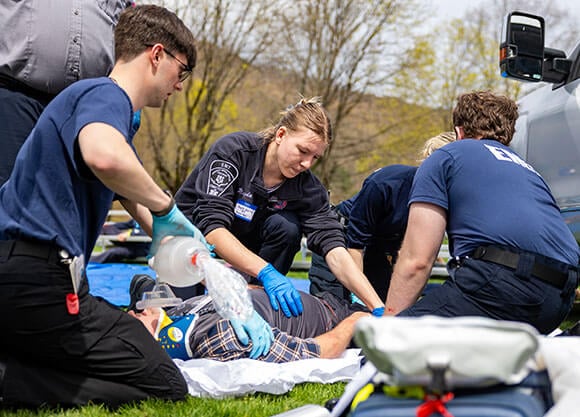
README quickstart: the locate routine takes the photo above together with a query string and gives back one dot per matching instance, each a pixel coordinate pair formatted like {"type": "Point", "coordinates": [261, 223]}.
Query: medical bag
{"type": "Point", "coordinates": [449, 367]}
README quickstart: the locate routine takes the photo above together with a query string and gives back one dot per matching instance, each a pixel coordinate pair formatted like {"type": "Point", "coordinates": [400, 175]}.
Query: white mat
{"type": "Point", "coordinates": [561, 357]}
{"type": "Point", "coordinates": [213, 379]}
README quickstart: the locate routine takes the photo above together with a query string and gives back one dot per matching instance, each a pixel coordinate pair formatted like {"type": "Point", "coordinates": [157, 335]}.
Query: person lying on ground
{"type": "Point", "coordinates": [195, 330]}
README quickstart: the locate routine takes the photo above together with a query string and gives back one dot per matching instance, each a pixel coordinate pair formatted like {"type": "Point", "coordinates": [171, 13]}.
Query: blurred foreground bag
{"type": "Point", "coordinates": [449, 367]}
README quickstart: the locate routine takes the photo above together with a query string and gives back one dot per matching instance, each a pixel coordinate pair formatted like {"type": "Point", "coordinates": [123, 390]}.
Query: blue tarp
{"type": "Point", "coordinates": [111, 281]}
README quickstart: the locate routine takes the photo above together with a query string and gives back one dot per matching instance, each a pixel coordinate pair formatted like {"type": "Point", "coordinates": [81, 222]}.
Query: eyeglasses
{"type": "Point", "coordinates": [186, 70]}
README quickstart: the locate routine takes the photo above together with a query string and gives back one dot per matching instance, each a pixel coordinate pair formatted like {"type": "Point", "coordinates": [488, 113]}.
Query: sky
{"type": "Point", "coordinates": [445, 10]}
{"type": "Point", "coordinates": [456, 8]}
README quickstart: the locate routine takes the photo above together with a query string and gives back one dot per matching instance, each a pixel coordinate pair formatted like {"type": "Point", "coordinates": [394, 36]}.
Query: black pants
{"type": "Point", "coordinates": [277, 241]}
{"type": "Point", "coordinates": [377, 266]}
{"type": "Point", "coordinates": [481, 288]}
{"type": "Point", "coordinates": [101, 355]}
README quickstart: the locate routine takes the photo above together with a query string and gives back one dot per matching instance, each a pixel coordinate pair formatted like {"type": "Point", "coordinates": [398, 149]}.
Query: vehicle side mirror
{"type": "Point", "coordinates": [521, 51]}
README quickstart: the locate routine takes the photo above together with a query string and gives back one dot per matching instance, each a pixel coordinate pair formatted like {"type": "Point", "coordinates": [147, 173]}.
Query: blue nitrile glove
{"type": "Point", "coordinates": [378, 311]}
{"type": "Point", "coordinates": [258, 331]}
{"type": "Point", "coordinates": [173, 223]}
{"type": "Point", "coordinates": [280, 291]}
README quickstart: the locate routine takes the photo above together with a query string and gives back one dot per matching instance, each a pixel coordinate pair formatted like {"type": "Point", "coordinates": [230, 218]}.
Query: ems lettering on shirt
{"type": "Point", "coordinates": [245, 210]}
{"type": "Point", "coordinates": [222, 174]}
{"type": "Point", "coordinates": [503, 155]}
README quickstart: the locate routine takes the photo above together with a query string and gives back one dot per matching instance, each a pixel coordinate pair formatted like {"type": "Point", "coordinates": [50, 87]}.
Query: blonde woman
{"type": "Point", "coordinates": [253, 196]}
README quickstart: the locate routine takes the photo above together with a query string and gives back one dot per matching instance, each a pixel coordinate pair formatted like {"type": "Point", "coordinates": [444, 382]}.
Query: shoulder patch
{"type": "Point", "coordinates": [222, 174]}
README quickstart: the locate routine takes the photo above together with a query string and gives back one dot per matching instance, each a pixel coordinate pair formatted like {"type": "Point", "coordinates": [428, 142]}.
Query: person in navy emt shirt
{"type": "Point", "coordinates": [254, 197]}
{"type": "Point", "coordinates": [513, 257]}
{"type": "Point", "coordinates": [61, 346]}
{"type": "Point", "coordinates": [374, 220]}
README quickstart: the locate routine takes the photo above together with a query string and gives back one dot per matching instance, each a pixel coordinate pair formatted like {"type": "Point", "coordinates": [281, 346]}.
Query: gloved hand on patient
{"type": "Point", "coordinates": [281, 292]}
{"type": "Point", "coordinates": [258, 331]}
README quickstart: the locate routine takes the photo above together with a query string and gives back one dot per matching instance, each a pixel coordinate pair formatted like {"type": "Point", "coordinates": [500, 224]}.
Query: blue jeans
{"type": "Point", "coordinates": [481, 288]}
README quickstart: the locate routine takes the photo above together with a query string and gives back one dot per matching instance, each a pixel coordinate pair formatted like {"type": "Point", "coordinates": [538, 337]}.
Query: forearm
{"type": "Point", "coordinates": [140, 213]}
{"type": "Point", "coordinates": [357, 257]}
{"type": "Point", "coordinates": [407, 283]}
{"type": "Point", "coordinates": [425, 230]}
{"type": "Point", "coordinates": [230, 249]}
{"type": "Point", "coordinates": [334, 343]}
{"type": "Point", "coordinates": [134, 183]}
{"type": "Point", "coordinates": [346, 271]}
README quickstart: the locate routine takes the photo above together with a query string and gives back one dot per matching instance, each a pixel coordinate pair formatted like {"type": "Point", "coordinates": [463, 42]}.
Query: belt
{"type": "Point", "coordinates": [511, 260]}
{"type": "Point", "coordinates": [36, 249]}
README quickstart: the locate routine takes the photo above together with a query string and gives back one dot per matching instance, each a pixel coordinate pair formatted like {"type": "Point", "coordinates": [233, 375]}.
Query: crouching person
{"type": "Point", "coordinates": [60, 346]}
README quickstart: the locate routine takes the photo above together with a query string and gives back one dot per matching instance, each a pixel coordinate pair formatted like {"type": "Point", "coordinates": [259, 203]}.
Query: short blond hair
{"type": "Point", "coordinates": [434, 143]}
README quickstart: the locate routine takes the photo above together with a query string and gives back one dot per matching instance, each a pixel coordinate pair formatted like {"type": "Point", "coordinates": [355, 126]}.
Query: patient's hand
{"type": "Point", "coordinates": [149, 317]}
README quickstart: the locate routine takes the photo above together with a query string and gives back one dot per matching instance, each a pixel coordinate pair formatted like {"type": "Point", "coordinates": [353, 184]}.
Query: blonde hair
{"type": "Point", "coordinates": [308, 113]}
{"type": "Point", "coordinates": [434, 143]}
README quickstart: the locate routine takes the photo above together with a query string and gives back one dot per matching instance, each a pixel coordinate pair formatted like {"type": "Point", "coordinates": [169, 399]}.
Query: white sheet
{"type": "Point", "coordinates": [561, 357]}
{"type": "Point", "coordinates": [213, 379]}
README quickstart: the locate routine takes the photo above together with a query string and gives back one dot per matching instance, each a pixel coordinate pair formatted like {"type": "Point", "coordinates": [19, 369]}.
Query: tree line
{"type": "Point", "coordinates": [388, 78]}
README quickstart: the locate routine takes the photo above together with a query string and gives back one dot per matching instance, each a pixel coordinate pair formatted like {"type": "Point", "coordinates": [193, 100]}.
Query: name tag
{"type": "Point", "coordinates": [245, 210]}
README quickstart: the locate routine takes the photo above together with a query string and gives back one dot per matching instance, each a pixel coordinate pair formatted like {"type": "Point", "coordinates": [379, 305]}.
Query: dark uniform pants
{"type": "Point", "coordinates": [277, 241]}
{"type": "Point", "coordinates": [100, 355]}
{"type": "Point", "coordinates": [377, 267]}
{"type": "Point", "coordinates": [482, 288]}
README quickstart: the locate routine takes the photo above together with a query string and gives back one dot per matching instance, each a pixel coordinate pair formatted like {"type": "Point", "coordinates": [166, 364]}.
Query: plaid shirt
{"type": "Point", "coordinates": [220, 343]}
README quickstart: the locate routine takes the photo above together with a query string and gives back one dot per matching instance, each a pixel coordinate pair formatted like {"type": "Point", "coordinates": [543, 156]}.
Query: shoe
{"type": "Point", "coordinates": [139, 284]}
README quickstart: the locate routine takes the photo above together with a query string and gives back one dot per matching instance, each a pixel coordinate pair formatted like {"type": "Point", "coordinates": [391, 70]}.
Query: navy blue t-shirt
{"type": "Point", "coordinates": [378, 213]}
{"type": "Point", "coordinates": [493, 197]}
{"type": "Point", "coordinates": [52, 195]}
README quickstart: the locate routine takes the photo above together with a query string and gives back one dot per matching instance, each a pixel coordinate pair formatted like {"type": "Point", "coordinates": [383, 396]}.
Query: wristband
{"type": "Point", "coordinates": [167, 209]}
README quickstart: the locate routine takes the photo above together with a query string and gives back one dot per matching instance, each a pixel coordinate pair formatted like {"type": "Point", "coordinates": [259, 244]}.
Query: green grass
{"type": "Point", "coordinates": [257, 405]}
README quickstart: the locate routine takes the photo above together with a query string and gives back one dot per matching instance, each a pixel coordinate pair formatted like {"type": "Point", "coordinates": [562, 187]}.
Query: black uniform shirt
{"type": "Point", "coordinates": [226, 189]}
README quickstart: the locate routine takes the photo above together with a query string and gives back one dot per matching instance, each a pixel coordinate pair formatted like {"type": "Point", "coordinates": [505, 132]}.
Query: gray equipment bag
{"type": "Point", "coordinates": [447, 367]}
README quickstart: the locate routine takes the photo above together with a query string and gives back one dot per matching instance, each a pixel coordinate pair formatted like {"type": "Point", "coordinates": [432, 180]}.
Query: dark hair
{"type": "Point", "coordinates": [307, 113]}
{"type": "Point", "coordinates": [144, 25]}
{"type": "Point", "coordinates": [483, 114]}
